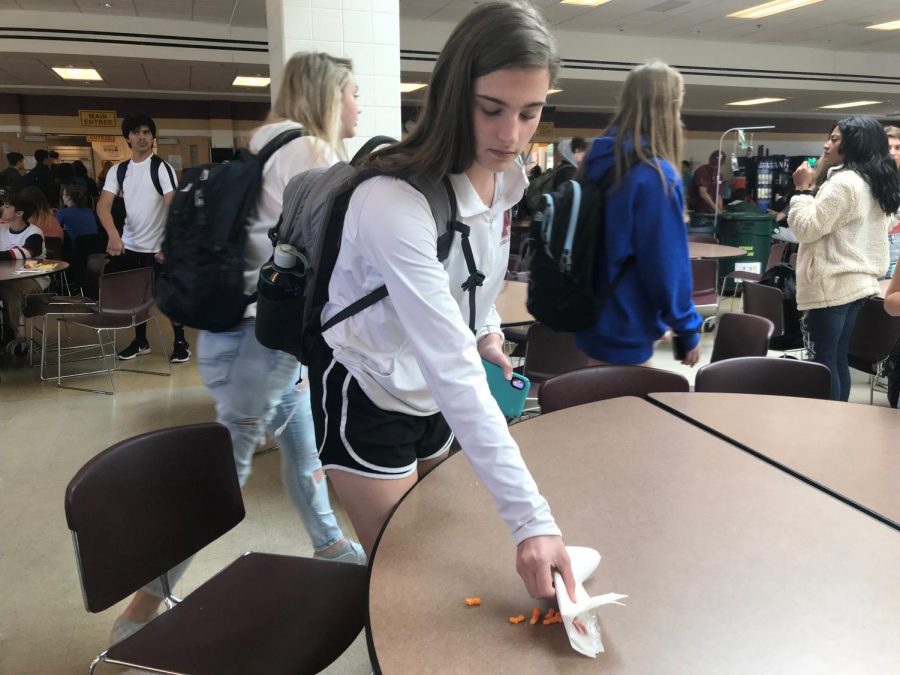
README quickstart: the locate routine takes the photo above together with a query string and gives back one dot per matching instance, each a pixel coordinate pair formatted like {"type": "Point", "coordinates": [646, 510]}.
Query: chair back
{"type": "Point", "coordinates": [704, 273]}
{"type": "Point", "coordinates": [148, 503]}
{"type": "Point", "coordinates": [741, 335]}
{"type": "Point", "coordinates": [776, 255]}
{"type": "Point", "coordinates": [127, 293]}
{"type": "Point", "coordinates": [873, 337]}
{"type": "Point", "coordinates": [761, 375]}
{"type": "Point", "coordinates": [767, 302]}
{"type": "Point", "coordinates": [702, 239]}
{"type": "Point", "coordinates": [54, 247]}
{"type": "Point", "coordinates": [93, 270]}
{"type": "Point", "coordinates": [598, 383]}
{"type": "Point", "coordinates": [549, 354]}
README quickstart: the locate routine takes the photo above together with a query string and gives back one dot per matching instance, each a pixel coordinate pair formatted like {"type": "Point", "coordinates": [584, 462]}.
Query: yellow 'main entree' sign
{"type": "Point", "coordinates": [98, 118]}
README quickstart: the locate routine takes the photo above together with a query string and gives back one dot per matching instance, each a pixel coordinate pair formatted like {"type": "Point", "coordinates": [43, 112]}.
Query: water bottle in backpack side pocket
{"type": "Point", "coordinates": [280, 300]}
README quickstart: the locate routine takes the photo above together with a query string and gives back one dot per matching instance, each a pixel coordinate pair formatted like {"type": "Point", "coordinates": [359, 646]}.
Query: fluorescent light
{"type": "Point", "coordinates": [553, 91]}
{"type": "Point", "coordinates": [890, 25]}
{"type": "Point", "coordinates": [245, 81]}
{"type": "Point", "coordinates": [770, 8]}
{"type": "Point", "coordinates": [851, 104]}
{"type": "Point", "coordinates": [756, 101]}
{"type": "Point", "coordinates": [407, 87]}
{"type": "Point", "coordinates": [84, 74]}
{"type": "Point", "coordinates": [586, 3]}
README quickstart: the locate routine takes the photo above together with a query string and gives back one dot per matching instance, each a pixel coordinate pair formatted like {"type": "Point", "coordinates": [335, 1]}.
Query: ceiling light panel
{"type": "Point", "coordinates": [407, 87]}
{"type": "Point", "coordinates": [247, 81]}
{"type": "Point", "coordinates": [82, 74]}
{"type": "Point", "coordinates": [850, 104]}
{"type": "Point", "coordinates": [770, 8]}
{"type": "Point", "coordinates": [584, 3]}
{"type": "Point", "coordinates": [756, 101]}
{"type": "Point", "coordinates": [890, 25]}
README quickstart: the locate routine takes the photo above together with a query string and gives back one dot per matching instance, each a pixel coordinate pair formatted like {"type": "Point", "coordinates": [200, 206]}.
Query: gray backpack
{"type": "Point", "coordinates": [312, 221]}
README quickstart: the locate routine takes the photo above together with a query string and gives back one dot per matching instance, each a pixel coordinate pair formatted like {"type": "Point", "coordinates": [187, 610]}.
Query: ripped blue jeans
{"type": "Point", "coordinates": [826, 336]}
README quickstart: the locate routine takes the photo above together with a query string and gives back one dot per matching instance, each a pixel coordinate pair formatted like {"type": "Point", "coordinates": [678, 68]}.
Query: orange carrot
{"type": "Point", "coordinates": [473, 602]}
{"type": "Point", "coordinates": [535, 615]}
{"type": "Point", "coordinates": [549, 614]}
{"type": "Point", "coordinates": [517, 619]}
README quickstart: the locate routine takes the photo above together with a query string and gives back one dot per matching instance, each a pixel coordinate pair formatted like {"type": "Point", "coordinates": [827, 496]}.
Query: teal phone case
{"type": "Point", "coordinates": [509, 394]}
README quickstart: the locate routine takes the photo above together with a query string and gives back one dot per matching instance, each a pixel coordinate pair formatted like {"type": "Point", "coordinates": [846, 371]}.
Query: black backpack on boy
{"type": "Point", "coordinates": [566, 239]}
{"type": "Point", "coordinates": [202, 280]}
{"type": "Point", "coordinates": [312, 222]}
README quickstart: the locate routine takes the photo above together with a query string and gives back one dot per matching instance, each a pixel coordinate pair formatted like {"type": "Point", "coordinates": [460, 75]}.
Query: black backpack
{"type": "Point", "coordinates": [312, 221]}
{"type": "Point", "coordinates": [565, 242]}
{"type": "Point", "coordinates": [202, 281]}
{"type": "Point", "coordinates": [155, 161]}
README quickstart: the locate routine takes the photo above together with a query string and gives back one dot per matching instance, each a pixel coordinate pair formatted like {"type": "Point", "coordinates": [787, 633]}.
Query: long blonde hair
{"type": "Point", "coordinates": [649, 117]}
{"type": "Point", "coordinates": [311, 90]}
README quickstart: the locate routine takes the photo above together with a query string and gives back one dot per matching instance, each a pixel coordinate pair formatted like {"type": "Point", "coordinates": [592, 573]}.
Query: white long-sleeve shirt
{"type": "Point", "coordinates": [301, 154]}
{"type": "Point", "coordinates": [413, 352]}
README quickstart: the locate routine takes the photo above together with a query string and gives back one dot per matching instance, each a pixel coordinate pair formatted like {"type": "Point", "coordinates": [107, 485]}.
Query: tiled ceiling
{"type": "Point", "coordinates": [250, 13]}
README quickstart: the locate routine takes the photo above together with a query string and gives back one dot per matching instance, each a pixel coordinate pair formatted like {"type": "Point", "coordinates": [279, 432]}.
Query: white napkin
{"type": "Point", "coordinates": [584, 562]}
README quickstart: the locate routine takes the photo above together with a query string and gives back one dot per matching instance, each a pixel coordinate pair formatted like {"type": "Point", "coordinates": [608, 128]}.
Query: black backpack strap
{"type": "Point", "coordinates": [155, 161]}
{"type": "Point", "coordinates": [366, 301]}
{"type": "Point", "coordinates": [369, 147]}
{"type": "Point", "coordinates": [273, 146]}
{"type": "Point", "coordinates": [121, 170]}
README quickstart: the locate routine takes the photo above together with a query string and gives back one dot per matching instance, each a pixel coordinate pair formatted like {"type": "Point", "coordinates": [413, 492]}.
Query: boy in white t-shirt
{"type": "Point", "coordinates": [147, 184]}
{"type": "Point", "coordinates": [18, 241]}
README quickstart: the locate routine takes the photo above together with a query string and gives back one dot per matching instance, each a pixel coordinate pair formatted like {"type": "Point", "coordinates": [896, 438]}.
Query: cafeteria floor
{"type": "Point", "coordinates": [48, 433]}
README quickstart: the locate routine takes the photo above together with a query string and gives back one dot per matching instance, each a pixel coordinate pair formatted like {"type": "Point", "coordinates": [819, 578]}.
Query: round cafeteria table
{"type": "Point", "coordinates": [729, 564]}
{"type": "Point", "coordinates": [8, 269]}
{"type": "Point", "coordinates": [510, 304]}
{"type": "Point", "coordinates": [702, 250]}
{"type": "Point", "coordinates": [847, 449]}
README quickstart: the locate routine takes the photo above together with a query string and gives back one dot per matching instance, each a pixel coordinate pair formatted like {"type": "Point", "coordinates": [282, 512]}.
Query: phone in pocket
{"type": "Point", "coordinates": [678, 349]}
{"type": "Point", "coordinates": [509, 394]}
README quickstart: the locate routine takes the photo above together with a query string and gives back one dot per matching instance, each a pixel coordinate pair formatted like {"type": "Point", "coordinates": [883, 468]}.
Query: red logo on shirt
{"type": "Point", "coordinates": [507, 225]}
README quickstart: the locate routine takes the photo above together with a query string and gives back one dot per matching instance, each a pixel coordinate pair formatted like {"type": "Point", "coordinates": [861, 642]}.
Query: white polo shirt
{"type": "Point", "coordinates": [145, 219]}
{"type": "Point", "coordinates": [413, 352]}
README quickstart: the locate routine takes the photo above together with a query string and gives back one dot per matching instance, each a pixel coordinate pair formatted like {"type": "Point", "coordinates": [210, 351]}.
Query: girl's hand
{"type": "Point", "coordinates": [803, 177]}
{"type": "Point", "coordinates": [490, 348]}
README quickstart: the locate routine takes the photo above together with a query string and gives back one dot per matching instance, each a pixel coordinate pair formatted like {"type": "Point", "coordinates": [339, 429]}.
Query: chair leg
{"type": "Point", "coordinates": [97, 659]}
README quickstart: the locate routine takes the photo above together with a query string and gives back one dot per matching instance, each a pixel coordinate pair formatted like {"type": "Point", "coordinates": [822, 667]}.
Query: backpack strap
{"type": "Point", "coordinates": [155, 161]}
{"type": "Point", "coordinates": [369, 147]}
{"type": "Point", "coordinates": [121, 170]}
{"type": "Point", "coordinates": [273, 146]}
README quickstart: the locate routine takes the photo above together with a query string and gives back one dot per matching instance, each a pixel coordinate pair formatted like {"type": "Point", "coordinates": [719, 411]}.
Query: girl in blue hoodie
{"type": "Point", "coordinates": [644, 219]}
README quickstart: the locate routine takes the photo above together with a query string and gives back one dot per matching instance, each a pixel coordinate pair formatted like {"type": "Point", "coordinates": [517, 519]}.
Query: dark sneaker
{"type": "Point", "coordinates": [134, 349]}
{"type": "Point", "coordinates": [181, 352]}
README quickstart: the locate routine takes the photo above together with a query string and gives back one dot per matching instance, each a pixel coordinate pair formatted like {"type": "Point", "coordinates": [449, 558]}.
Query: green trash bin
{"type": "Point", "coordinates": [751, 232]}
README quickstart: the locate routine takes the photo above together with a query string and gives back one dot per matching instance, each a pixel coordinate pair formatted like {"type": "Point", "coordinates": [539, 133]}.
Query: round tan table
{"type": "Point", "coordinates": [702, 250]}
{"type": "Point", "coordinates": [511, 304]}
{"type": "Point", "coordinates": [852, 451]}
{"type": "Point", "coordinates": [8, 269]}
{"type": "Point", "coordinates": [730, 565]}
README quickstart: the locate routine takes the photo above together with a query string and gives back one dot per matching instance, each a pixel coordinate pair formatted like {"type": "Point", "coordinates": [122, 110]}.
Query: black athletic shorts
{"type": "Point", "coordinates": [132, 260]}
{"type": "Point", "coordinates": [354, 435]}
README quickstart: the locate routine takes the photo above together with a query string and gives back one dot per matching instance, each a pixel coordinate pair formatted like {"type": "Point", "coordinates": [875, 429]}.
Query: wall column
{"type": "Point", "coordinates": [366, 31]}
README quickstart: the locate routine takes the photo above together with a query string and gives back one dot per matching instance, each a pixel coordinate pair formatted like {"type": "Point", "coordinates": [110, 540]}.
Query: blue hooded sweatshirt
{"type": "Point", "coordinates": [645, 220]}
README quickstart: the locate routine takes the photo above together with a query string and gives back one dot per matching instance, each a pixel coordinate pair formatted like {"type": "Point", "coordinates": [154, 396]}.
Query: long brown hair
{"type": "Point", "coordinates": [649, 116]}
{"type": "Point", "coordinates": [491, 37]}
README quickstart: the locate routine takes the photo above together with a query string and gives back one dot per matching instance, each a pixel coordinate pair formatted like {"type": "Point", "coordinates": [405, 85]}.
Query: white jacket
{"type": "Point", "coordinates": [301, 154]}
{"type": "Point", "coordinates": [843, 241]}
{"type": "Point", "coordinates": [413, 352]}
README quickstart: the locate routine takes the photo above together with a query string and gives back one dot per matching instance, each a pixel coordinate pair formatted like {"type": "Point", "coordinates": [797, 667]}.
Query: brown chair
{"type": "Point", "coordinates": [702, 239]}
{"type": "Point", "coordinates": [761, 375]}
{"type": "Point", "coordinates": [872, 340]}
{"type": "Point", "coordinates": [124, 302]}
{"type": "Point", "coordinates": [53, 247]}
{"type": "Point", "coordinates": [150, 502]}
{"type": "Point", "coordinates": [45, 306]}
{"type": "Point", "coordinates": [741, 335]}
{"type": "Point", "coordinates": [549, 354]}
{"type": "Point", "coordinates": [704, 273]}
{"type": "Point", "coordinates": [599, 383]}
{"type": "Point", "coordinates": [767, 302]}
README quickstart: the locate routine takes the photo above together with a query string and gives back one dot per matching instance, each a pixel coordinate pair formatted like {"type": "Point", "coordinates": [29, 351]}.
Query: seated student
{"type": "Point", "coordinates": [43, 215]}
{"type": "Point", "coordinates": [18, 241]}
{"type": "Point", "coordinates": [75, 217]}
